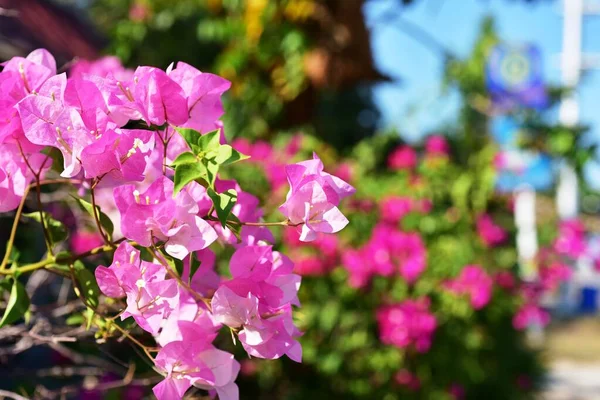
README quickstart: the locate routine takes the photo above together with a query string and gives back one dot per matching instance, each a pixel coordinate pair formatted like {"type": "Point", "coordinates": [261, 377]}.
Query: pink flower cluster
{"type": "Point", "coordinates": [313, 198]}
{"type": "Point", "coordinates": [84, 117]}
{"type": "Point", "coordinates": [407, 324]}
{"type": "Point", "coordinates": [394, 208]}
{"type": "Point", "coordinates": [490, 233]}
{"type": "Point", "coordinates": [474, 282]}
{"type": "Point", "coordinates": [389, 251]}
{"type": "Point", "coordinates": [402, 158]}
{"type": "Point", "coordinates": [571, 239]}
{"type": "Point", "coordinates": [437, 145]}
{"type": "Point", "coordinates": [313, 258]}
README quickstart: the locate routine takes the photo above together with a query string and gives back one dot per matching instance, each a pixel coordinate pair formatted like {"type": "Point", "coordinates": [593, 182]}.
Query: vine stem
{"type": "Point", "coordinates": [53, 260]}
{"type": "Point", "coordinates": [125, 333]}
{"type": "Point", "coordinates": [38, 192]}
{"type": "Point", "coordinates": [180, 281]}
{"type": "Point", "coordinates": [96, 214]}
{"type": "Point", "coordinates": [19, 212]}
{"type": "Point", "coordinates": [279, 223]}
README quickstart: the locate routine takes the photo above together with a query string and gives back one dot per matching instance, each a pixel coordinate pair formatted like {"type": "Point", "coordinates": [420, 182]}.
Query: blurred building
{"type": "Point", "coordinates": [59, 27]}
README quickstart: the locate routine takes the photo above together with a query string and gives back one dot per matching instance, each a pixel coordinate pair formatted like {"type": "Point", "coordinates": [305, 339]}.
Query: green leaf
{"type": "Point", "coordinates": [87, 283]}
{"type": "Point", "coordinates": [191, 138]}
{"type": "Point", "coordinates": [89, 318]}
{"type": "Point", "coordinates": [75, 319]}
{"type": "Point", "coordinates": [175, 264]}
{"type": "Point", "coordinates": [56, 229]}
{"type": "Point", "coordinates": [228, 155]}
{"type": "Point", "coordinates": [235, 226]}
{"type": "Point", "coordinates": [18, 304]}
{"type": "Point", "coordinates": [186, 173]}
{"type": "Point", "coordinates": [223, 202]}
{"type": "Point", "coordinates": [104, 220]}
{"type": "Point", "coordinates": [194, 265]}
{"type": "Point", "coordinates": [184, 158]}
{"type": "Point", "coordinates": [212, 169]}
{"type": "Point", "coordinates": [209, 141]}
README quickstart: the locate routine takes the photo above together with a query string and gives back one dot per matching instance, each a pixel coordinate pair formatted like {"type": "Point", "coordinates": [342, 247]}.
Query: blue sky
{"type": "Point", "coordinates": [414, 105]}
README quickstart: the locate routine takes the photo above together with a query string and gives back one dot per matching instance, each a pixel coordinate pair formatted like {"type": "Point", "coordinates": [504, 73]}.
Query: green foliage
{"type": "Point", "coordinates": [223, 203]}
{"type": "Point", "coordinates": [56, 230]}
{"type": "Point", "coordinates": [205, 160]}
{"type": "Point", "coordinates": [86, 284]}
{"type": "Point", "coordinates": [18, 302]}
{"type": "Point", "coordinates": [105, 221]}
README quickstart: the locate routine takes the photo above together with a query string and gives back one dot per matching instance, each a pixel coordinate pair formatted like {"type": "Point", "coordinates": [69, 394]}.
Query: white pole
{"type": "Point", "coordinates": [527, 245]}
{"type": "Point", "coordinates": [567, 191]}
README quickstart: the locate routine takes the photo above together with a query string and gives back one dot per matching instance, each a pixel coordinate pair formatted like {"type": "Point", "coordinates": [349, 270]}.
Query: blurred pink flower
{"type": "Point", "coordinates": [530, 314]}
{"type": "Point", "coordinates": [407, 324]}
{"type": "Point", "coordinates": [505, 280]}
{"type": "Point", "coordinates": [82, 241]}
{"type": "Point", "coordinates": [344, 171]}
{"type": "Point", "coordinates": [490, 233]}
{"type": "Point", "coordinates": [437, 145]}
{"type": "Point", "coordinates": [456, 391]}
{"type": "Point", "coordinates": [571, 239]}
{"type": "Point", "coordinates": [553, 274]}
{"type": "Point", "coordinates": [393, 208]}
{"type": "Point", "coordinates": [402, 157]}
{"type": "Point", "coordinates": [475, 282]}
{"type": "Point", "coordinates": [406, 378]}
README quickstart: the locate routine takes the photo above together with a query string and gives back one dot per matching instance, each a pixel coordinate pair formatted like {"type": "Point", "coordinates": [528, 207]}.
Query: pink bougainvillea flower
{"type": "Point", "coordinates": [530, 314]}
{"type": "Point", "coordinates": [15, 175]}
{"type": "Point", "coordinates": [309, 207]}
{"type": "Point", "coordinates": [456, 391]}
{"type": "Point", "coordinates": [571, 239]}
{"type": "Point", "coordinates": [490, 233]}
{"type": "Point", "coordinates": [358, 267]}
{"type": "Point", "coordinates": [33, 71]}
{"type": "Point", "coordinates": [407, 379]}
{"type": "Point", "coordinates": [47, 122]}
{"type": "Point", "coordinates": [82, 241]}
{"type": "Point", "coordinates": [505, 280]}
{"type": "Point", "coordinates": [257, 302]}
{"type": "Point", "coordinates": [155, 216]}
{"type": "Point", "coordinates": [203, 92]}
{"type": "Point", "coordinates": [402, 157]}
{"type": "Point", "coordinates": [407, 324]}
{"type": "Point", "coordinates": [393, 208]}
{"type": "Point", "coordinates": [553, 274]}
{"type": "Point", "coordinates": [118, 156]}
{"type": "Point", "coordinates": [306, 172]}
{"type": "Point", "coordinates": [102, 67]}
{"type": "Point", "coordinates": [436, 145]}
{"type": "Point", "coordinates": [475, 282]}
{"type": "Point", "coordinates": [158, 98]}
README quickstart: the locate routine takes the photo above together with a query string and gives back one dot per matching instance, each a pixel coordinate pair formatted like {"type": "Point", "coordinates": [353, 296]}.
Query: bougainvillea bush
{"type": "Point", "coordinates": [143, 153]}
{"type": "Point", "coordinates": [421, 295]}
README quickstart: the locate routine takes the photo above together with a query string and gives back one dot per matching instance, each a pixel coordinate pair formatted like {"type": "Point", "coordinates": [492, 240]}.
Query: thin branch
{"type": "Point", "coordinates": [12, 395]}
{"type": "Point", "coordinates": [97, 216]}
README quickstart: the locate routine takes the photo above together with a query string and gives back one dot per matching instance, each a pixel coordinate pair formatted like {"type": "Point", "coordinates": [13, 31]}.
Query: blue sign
{"type": "Point", "coordinates": [517, 166]}
{"type": "Point", "coordinates": [514, 77]}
